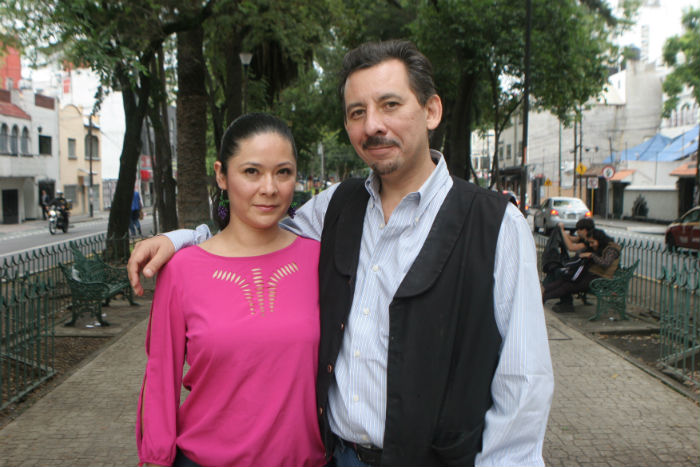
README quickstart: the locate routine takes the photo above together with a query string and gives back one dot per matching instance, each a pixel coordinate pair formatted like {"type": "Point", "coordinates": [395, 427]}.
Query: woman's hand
{"type": "Point", "coordinates": [585, 254]}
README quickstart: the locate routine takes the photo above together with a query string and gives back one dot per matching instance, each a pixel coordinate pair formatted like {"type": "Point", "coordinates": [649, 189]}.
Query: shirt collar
{"type": "Point", "coordinates": [438, 179]}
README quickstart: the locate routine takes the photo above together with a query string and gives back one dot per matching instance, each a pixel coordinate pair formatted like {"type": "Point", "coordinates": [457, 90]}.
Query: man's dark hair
{"type": "Point", "coordinates": [586, 224]}
{"type": "Point", "coordinates": [420, 71]}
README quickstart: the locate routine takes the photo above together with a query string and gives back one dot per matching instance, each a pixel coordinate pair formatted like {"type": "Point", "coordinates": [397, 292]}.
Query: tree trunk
{"type": "Point", "coordinates": [135, 100]}
{"type": "Point", "coordinates": [193, 197]}
{"type": "Point", "coordinates": [165, 200]}
{"type": "Point", "coordinates": [459, 128]}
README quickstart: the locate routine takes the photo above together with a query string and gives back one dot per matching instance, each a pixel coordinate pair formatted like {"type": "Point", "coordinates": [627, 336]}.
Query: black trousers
{"type": "Point", "coordinates": [562, 287]}
{"type": "Point", "coordinates": [183, 461]}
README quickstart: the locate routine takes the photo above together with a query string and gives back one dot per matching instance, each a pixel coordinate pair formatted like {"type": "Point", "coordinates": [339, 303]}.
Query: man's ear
{"type": "Point", "coordinates": [433, 108]}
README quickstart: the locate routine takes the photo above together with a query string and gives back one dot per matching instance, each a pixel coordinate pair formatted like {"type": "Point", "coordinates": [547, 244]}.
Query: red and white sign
{"type": "Point", "coordinates": [608, 172]}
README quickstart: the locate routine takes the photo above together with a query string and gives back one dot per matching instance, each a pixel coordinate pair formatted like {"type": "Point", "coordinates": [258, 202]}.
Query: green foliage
{"type": "Point", "coordinates": [682, 53]}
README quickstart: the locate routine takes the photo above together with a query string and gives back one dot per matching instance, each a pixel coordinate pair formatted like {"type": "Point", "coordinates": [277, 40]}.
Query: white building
{"type": "Point", "coordinates": [28, 153]}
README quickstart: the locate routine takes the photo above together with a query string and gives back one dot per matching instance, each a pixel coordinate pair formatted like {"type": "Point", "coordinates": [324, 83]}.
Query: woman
{"type": "Point", "coordinates": [602, 259]}
{"type": "Point", "coordinates": [242, 310]}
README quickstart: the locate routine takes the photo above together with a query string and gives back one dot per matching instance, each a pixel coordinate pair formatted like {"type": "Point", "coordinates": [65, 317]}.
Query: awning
{"type": "Point", "coordinates": [85, 172]}
{"type": "Point", "coordinates": [621, 175]}
{"type": "Point", "coordinates": [145, 175]}
{"type": "Point", "coordinates": [686, 170]}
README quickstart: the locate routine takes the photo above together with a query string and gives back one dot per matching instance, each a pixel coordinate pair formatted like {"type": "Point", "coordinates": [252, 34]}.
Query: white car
{"type": "Point", "coordinates": [558, 209]}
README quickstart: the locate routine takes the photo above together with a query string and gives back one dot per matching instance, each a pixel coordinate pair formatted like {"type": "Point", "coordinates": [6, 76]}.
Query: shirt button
{"type": "Point", "coordinates": [330, 368]}
{"type": "Point", "coordinates": [382, 225]}
{"type": "Point", "coordinates": [355, 398]}
{"type": "Point", "coordinates": [417, 219]}
{"type": "Point", "coordinates": [357, 353]}
{"type": "Point", "coordinates": [375, 268]}
{"type": "Point", "coordinates": [365, 311]}
{"type": "Point", "coordinates": [365, 438]}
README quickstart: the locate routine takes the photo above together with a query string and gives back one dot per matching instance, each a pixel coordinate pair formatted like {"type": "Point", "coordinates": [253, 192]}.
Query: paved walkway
{"type": "Point", "coordinates": [606, 411]}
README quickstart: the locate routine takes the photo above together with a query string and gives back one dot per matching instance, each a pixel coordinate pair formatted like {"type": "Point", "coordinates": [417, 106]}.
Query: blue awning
{"type": "Point", "coordinates": [646, 151]}
{"type": "Point", "coordinates": [682, 146]}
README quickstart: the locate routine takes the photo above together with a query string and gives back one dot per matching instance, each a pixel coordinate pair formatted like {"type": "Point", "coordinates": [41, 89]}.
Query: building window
{"type": "Point", "coordinates": [14, 141]}
{"type": "Point", "coordinates": [45, 145]}
{"type": "Point", "coordinates": [25, 140]}
{"type": "Point", "coordinates": [92, 151]}
{"type": "Point", "coordinates": [500, 151]}
{"type": "Point", "coordinates": [71, 149]}
{"type": "Point", "coordinates": [3, 138]}
{"type": "Point", "coordinates": [509, 153]}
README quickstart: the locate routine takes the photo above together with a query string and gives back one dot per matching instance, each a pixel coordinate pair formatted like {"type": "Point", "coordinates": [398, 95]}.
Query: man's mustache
{"type": "Point", "coordinates": [379, 141]}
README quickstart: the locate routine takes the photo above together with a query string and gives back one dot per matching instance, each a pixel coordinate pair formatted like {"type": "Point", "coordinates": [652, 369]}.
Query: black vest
{"type": "Point", "coordinates": [443, 339]}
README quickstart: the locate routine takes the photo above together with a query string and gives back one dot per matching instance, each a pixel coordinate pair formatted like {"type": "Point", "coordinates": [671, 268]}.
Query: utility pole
{"type": "Point", "coordinates": [90, 146]}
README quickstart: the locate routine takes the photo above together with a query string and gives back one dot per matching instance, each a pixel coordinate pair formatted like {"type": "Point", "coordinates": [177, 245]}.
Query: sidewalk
{"type": "Point", "coordinates": [40, 225]}
{"type": "Point", "coordinates": [606, 411]}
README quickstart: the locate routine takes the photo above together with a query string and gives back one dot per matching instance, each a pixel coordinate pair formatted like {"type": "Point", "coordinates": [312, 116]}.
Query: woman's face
{"type": "Point", "coordinates": [260, 180]}
{"type": "Point", "coordinates": [593, 243]}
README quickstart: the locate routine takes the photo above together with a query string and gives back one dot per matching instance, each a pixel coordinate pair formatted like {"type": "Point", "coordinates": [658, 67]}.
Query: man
{"type": "Point", "coordinates": [575, 244]}
{"type": "Point", "coordinates": [61, 204]}
{"type": "Point", "coordinates": [433, 342]}
{"type": "Point", "coordinates": [134, 222]}
{"type": "Point", "coordinates": [44, 203]}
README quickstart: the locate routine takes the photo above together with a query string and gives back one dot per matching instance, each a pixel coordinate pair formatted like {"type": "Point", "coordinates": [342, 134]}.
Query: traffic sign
{"type": "Point", "coordinates": [592, 183]}
{"type": "Point", "coordinates": [547, 182]}
{"type": "Point", "coordinates": [581, 169]}
{"type": "Point", "coordinates": [608, 172]}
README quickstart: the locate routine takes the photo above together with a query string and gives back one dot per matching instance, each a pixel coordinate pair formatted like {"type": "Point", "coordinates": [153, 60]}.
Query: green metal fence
{"type": "Point", "coordinates": [678, 325]}
{"type": "Point", "coordinates": [26, 337]}
{"type": "Point", "coordinates": [32, 292]}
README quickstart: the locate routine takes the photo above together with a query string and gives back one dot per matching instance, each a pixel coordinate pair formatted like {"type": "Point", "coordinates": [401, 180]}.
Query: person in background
{"type": "Point", "coordinates": [602, 261]}
{"type": "Point", "coordinates": [575, 244]}
{"type": "Point", "coordinates": [136, 206]}
{"type": "Point", "coordinates": [242, 310]}
{"type": "Point", "coordinates": [61, 204]}
{"type": "Point", "coordinates": [433, 344]}
{"type": "Point", "coordinates": [44, 203]}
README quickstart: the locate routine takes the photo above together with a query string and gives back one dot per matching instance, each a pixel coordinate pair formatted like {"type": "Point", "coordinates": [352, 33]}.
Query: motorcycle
{"type": "Point", "coordinates": [58, 219]}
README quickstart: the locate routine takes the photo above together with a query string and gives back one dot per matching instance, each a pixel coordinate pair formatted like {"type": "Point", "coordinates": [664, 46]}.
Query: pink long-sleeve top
{"type": "Point", "coordinates": [249, 330]}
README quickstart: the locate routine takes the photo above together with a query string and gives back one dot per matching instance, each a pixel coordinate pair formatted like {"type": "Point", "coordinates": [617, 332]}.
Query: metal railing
{"type": "Point", "coordinates": [32, 292]}
{"type": "Point", "coordinates": [679, 332]}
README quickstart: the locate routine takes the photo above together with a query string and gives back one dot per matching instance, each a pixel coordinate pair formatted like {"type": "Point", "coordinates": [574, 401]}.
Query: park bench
{"type": "Point", "coordinates": [93, 283]}
{"type": "Point", "coordinates": [613, 292]}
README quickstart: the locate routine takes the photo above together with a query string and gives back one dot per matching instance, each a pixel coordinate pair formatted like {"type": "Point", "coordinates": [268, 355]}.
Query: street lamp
{"type": "Point", "coordinates": [90, 152]}
{"type": "Point", "coordinates": [245, 57]}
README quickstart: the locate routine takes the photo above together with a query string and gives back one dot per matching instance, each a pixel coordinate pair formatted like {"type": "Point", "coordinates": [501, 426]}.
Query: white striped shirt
{"type": "Point", "coordinates": [523, 383]}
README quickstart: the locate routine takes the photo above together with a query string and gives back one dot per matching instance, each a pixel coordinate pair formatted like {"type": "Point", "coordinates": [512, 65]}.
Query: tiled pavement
{"type": "Point", "coordinates": [606, 411]}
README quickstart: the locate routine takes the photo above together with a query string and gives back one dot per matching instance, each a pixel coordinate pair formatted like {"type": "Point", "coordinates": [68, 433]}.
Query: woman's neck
{"type": "Point", "coordinates": [240, 240]}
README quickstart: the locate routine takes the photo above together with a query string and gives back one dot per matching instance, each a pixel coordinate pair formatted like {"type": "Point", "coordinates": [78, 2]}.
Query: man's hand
{"type": "Point", "coordinates": [148, 256]}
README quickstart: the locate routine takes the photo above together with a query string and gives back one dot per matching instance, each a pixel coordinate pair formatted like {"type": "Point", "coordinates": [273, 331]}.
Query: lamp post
{"type": "Point", "coordinates": [245, 57]}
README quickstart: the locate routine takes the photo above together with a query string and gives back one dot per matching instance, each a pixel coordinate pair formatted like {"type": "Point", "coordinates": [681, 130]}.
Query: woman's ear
{"type": "Point", "coordinates": [220, 175]}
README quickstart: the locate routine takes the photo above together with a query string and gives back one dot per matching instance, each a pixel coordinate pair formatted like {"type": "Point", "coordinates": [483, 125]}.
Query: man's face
{"type": "Point", "coordinates": [582, 234]}
{"type": "Point", "coordinates": [386, 124]}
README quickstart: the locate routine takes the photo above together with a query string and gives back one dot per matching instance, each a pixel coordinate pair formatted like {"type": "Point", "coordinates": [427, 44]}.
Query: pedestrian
{"type": "Point", "coordinates": [44, 203]}
{"type": "Point", "coordinates": [135, 220]}
{"type": "Point", "coordinates": [433, 344]}
{"type": "Point", "coordinates": [242, 309]}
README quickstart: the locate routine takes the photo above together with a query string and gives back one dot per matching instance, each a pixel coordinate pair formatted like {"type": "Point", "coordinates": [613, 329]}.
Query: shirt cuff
{"type": "Point", "coordinates": [185, 237]}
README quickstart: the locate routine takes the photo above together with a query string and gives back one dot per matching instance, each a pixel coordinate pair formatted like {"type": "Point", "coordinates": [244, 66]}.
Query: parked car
{"type": "Point", "coordinates": [558, 209]}
{"type": "Point", "coordinates": [685, 231]}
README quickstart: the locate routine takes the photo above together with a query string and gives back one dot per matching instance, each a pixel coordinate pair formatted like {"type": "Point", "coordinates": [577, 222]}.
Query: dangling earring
{"type": "Point", "coordinates": [223, 205]}
{"type": "Point", "coordinates": [291, 211]}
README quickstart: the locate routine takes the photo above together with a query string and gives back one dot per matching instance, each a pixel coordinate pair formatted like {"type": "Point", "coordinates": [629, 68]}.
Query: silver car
{"type": "Point", "coordinates": [560, 209]}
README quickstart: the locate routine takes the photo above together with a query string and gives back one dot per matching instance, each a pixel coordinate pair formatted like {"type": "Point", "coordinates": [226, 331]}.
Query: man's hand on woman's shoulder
{"type": "Point", "coordinates": [148, 257]}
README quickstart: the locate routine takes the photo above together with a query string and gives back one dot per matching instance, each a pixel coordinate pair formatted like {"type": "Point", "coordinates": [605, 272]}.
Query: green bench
{"type": "Point", "coordinates": [612, 293]}
{"type": "Point", "coordinates": [93, 283]}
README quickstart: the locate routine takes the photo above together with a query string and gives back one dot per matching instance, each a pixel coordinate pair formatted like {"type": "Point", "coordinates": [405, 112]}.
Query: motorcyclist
{"type": "Point", "coordinates": [61, 204]}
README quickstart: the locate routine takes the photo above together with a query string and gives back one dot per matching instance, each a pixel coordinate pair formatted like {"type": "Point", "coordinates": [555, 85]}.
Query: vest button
{"type": "Point", "coordinates": [342, 326]}
{"type": "Point", "coordinates": [330, 368]}
{"type": "Point", "coordinates": [320, 410]}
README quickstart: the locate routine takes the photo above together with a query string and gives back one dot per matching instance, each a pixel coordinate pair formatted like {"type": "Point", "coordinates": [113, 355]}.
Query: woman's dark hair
{"type": "Point", "coordinates": [244, 127]}
{"type": "Point", "coordinates": [601, 237]}
{"type": "Point", "coordinates": [420, 71]}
